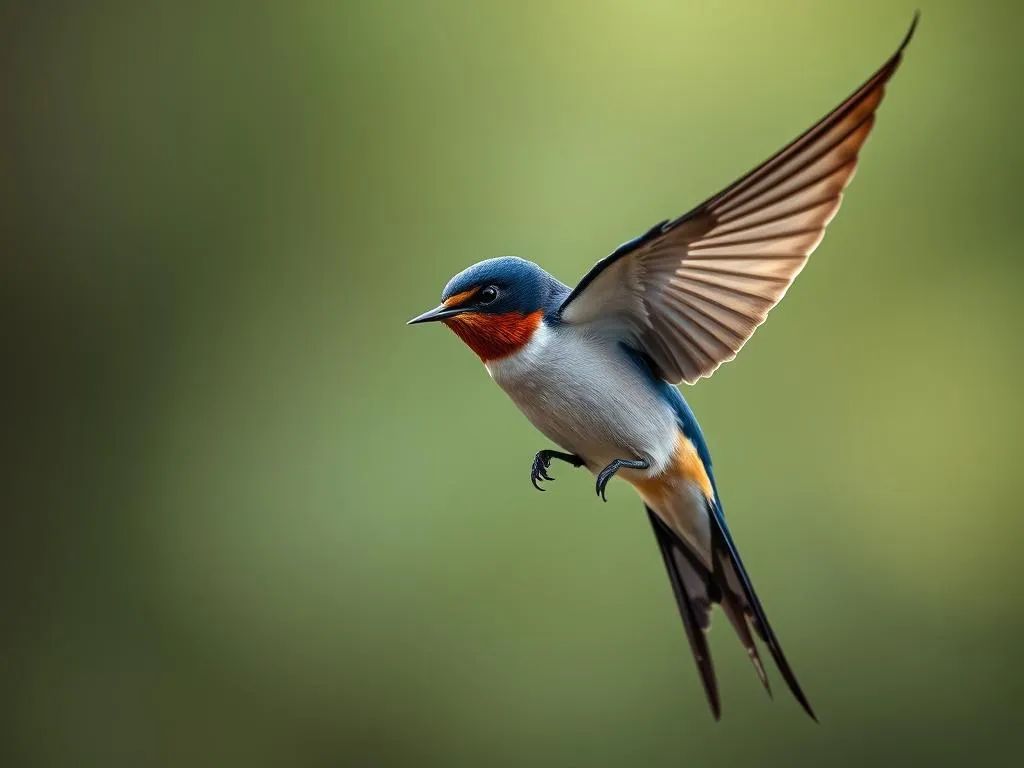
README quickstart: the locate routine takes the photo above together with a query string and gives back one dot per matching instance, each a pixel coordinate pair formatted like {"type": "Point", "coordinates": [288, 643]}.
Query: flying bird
{"type": "Point", "coordinates": [595, 367]}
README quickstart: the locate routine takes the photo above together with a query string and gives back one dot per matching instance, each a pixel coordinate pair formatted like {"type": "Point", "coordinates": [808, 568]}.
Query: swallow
{"type": "Point", "coordinates": [595, 368]}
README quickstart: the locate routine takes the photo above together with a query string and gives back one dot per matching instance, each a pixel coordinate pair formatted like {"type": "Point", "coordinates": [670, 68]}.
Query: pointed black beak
{"type": "Point", "coordinates": [437, 313]}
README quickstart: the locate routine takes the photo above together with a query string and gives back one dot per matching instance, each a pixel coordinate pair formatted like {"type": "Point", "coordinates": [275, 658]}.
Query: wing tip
{"type": "Point", "coordinates": [910, 32]}
{"type": "Point", "coordinates": [887, 70]}
{"type": "Point", "coordinates": [893, 64]}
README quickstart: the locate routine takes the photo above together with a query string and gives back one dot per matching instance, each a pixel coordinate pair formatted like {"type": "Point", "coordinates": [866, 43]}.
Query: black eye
{"type": "Point", "coordinates": [487, 295]}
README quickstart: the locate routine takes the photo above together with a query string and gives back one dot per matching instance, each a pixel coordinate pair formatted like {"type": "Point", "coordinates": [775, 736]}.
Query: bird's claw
{"type": "Point", "coordinates": [608, 472]}
{"type": "Point", "coordinates": [542, 461]}
{"type": "Point", "coordinates": [540, 470]}
{"type": "Point", "coordinates": [602, 483]}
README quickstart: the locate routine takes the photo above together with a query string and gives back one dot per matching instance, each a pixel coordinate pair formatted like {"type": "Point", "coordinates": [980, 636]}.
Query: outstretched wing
{"type": "Point", "coordinates": [691, 291]}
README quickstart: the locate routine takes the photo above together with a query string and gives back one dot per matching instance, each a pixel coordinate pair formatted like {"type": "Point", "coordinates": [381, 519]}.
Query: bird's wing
{"type": "Point", "coordinates": [691, 291]}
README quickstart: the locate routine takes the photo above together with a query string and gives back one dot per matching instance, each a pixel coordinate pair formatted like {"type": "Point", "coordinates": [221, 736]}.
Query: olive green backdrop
{"type": "Point", "coordinates": [252, 519]}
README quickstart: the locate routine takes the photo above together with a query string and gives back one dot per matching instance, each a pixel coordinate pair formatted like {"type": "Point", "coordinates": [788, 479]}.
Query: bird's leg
{"type": "Point", "coordinates": [542, 461]}
{"type": "Point", "coordinates": [608, 472]}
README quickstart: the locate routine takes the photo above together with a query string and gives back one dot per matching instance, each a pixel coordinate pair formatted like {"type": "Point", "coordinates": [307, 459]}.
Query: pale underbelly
{"type": "Point", "coordinates": [601, 425]}
{"type": "Point", "coordinates": [676, 486]}
{"type": "Point", "coordinates": [591, 400]}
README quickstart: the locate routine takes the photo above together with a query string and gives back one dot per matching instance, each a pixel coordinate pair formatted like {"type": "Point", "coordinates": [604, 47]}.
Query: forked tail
{"type": "Point", "coordinates": [696, 588]}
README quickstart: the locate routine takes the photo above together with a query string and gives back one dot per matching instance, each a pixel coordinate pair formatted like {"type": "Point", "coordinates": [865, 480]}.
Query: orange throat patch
{"type": "Point", "coordinates": [495, 336]}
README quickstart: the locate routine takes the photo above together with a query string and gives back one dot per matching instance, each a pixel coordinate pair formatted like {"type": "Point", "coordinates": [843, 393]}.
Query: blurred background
{"type": "Point", "coordinates": [252, 519]}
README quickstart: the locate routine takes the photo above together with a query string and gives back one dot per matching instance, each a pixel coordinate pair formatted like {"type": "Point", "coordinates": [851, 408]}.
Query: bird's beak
{"type": "Point", "coordinates": [440, 312]}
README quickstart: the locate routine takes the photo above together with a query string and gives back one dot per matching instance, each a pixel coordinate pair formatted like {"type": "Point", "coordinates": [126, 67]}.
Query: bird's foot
{"type": "Point", "coordinates": [539, 472]}
{"type": "Point", "coordinates": [542, 461]}
{"type": "Point", "coordinates": [608, 473]}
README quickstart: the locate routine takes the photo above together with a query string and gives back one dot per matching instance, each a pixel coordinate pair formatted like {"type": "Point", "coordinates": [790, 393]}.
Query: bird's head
{"type": "Point", "coordinates": [496, 306]}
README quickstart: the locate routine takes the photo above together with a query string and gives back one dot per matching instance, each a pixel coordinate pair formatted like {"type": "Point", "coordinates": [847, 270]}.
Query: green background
{"type": "Point", "coordinates": [252, 519]}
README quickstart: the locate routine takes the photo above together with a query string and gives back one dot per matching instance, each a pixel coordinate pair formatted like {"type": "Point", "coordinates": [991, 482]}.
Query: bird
{"type": "Point", "coordinates": [596, 368]}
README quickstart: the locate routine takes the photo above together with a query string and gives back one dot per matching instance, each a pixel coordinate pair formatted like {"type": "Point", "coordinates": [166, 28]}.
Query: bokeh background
{"type": "Point", "coordinates": [252, 519]}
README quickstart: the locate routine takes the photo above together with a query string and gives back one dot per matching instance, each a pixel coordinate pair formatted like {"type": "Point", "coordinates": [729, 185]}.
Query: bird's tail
{"type": "Point", "coordinates": [697, 588]}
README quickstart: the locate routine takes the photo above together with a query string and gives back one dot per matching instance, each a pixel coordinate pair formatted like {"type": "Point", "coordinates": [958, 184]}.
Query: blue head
{"type": "Point", "coordinates": [495, 306]}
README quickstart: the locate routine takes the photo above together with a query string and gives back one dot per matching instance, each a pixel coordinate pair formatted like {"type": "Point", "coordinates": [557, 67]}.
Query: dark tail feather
{"type": "Point", "coordinates": [728, 551]}
{"type": "Point", "coordinates": [737, 617]}
{"type": "Point", "coordinates": [689, 583]}
{"type": "Point", "coordinates": [696, 589]}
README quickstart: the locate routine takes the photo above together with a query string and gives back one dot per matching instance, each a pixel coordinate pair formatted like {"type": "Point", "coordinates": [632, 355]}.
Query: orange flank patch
{"type": "Point", "coordinates": [458, 298]}
{"type": "Point", "coordinates": [685, 466]}
{"type": "Point", "coordinates": [494, 336]}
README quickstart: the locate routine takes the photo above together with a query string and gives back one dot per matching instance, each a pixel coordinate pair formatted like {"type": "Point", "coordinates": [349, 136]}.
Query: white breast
{"type": "Point", "coordinates": [585, 394]}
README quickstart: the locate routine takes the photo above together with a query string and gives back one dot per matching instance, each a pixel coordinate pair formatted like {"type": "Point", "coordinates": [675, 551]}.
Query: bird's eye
{"type": "Point", "coordinates": [487, 295]}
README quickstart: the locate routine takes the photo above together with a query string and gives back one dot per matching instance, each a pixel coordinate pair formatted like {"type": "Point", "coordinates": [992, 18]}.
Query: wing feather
{"type": "Point", "coordinates": [692, 291]}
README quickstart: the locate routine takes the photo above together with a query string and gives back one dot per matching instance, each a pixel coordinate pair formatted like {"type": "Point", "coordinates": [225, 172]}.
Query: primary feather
{"type": "Point", "coordinates": [692, 291]}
